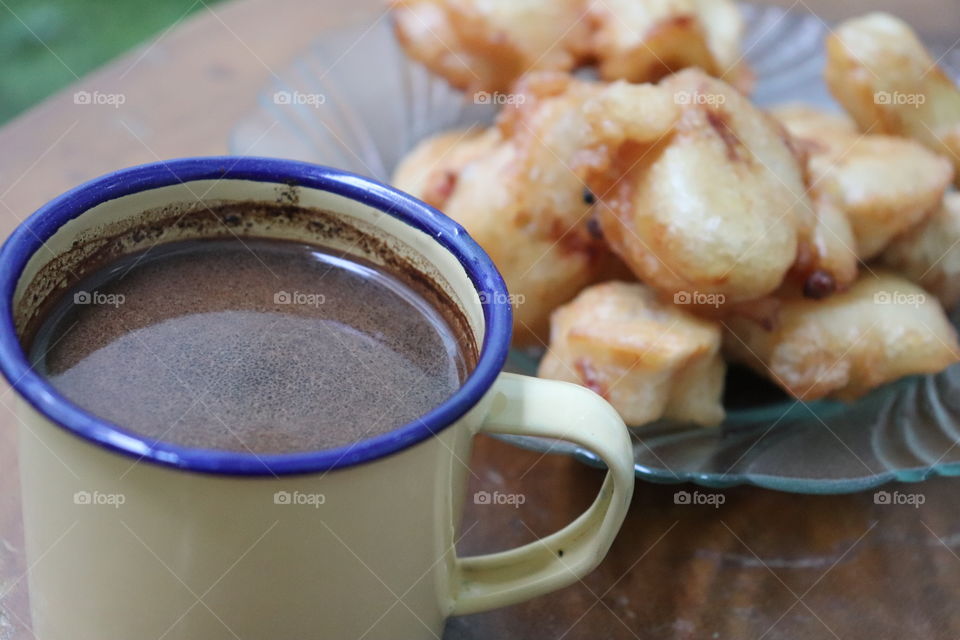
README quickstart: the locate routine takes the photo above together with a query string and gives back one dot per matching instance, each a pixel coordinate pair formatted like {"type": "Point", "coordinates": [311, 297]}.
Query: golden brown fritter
{"type": "Point", "coordinates": [488, 44]}
{"type": "Point", "coordinates": [833, 264]}
{"type": "Point", "coordinates": [885, 78]}
{"type": "Point", "coordinates": [645, 40]}
{"type": "Point", "coordinates": [930, 253]}
{"type": "Point", "coordinates": [430, 171]}
{"type": "Point", "coordinates": [718, 207]}
{"type": "Point", "coordinates": [882, 329]}
{"type": "Point", "coordinates": [519, 190]}
{"type": "Point", "coordinates": [884, 184]}
{"type": "Point", "coordinates": [649, 359]}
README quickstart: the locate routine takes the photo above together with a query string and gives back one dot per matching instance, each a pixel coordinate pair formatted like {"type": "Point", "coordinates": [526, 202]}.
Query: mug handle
{"type": "Point", "coordinates": [547, 408]}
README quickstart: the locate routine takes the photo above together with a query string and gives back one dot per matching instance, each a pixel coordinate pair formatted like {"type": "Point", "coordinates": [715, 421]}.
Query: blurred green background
{"type": "Point", "coordinates": [43, 43]}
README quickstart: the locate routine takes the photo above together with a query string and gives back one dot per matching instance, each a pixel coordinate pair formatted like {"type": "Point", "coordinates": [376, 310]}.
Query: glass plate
{"type": "Point", "coordinates": [356, 102]}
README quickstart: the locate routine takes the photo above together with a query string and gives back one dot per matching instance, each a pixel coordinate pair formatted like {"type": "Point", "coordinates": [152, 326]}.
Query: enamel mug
{"type": "Point", "coordinates": [131, 538]}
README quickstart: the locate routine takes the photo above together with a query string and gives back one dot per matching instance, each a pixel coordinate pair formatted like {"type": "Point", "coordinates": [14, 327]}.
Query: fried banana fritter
{"type": "Point", "coordinates": [643, 41]}
{"type": "Point", "coordinates": [728, 216]}
{"type": "Point", "coordinates": [930, 253]}
{"type": "Point", "coordinates": [717, 208]}
{"type": "Point", "coordinates": [488, 44]}
{"type": "Point", "coordinates": [430, 171]}
{"type": "Point", "coordinates": [884, 184]}
{"type": "Point", "coordinates": [882, 329]}
{"type": "Point", "coordinates": [884, 77]}
{"type": "Point", "coordinates": [519, 189]}
{"type": "Point", "coordinates": [649, 359]}
{"type": "Point", "coordinates": [833, 264]}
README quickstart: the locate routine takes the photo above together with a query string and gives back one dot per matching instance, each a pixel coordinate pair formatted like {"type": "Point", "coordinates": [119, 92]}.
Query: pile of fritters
{"type": "Point", "coordinates": [650, 231]}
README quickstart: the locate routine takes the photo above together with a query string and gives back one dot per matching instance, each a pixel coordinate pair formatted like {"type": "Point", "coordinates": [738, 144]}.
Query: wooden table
{"type": "Point", "coordinates": [762, 565]}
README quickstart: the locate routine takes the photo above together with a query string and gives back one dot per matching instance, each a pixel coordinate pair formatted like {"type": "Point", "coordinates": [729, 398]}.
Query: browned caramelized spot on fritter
{"type": "Point", "coordinates": [588, 376]}
{"type": "Point", "coordinates": [576, 239]}
{"type": "Point", "coordinates": [719, 122]}
{"type": "Point", "coordinates": [440, 187]}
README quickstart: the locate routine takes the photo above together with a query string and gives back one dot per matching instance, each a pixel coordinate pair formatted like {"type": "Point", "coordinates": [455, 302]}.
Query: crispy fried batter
{"type": "Point", "coordinates": [488, 44]}
{"type": "Point", "coordinates": [883, 76]}
{"type": "Point", "coordinates": [649, 359]}
{"type": "Point", "coordinates": [431, 169]}
{"type": "Point", "coordinates": [930, 254]}
{"type": "Point", "coordinates": [812, 124]}
{"type": "Point", "coordinates": [884, 184]}
{"type": "Point", "coordinates": [824, 266]}
{"type": "Point", "coordinates": [833, 263]}
{"type": "Point", "coordinates": [882, 329]}
{"type": "Point", "coordinates": [760, 221]}
{"type": "Point", "coordinates": [519, 189]}
{"type": "Point", "coordinates": [643, 41]}
{"type": "Point", "coordinates": [718, 207]}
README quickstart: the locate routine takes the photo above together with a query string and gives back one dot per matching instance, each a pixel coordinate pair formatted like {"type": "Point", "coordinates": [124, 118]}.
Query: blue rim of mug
{"type": "Point", "coordinates": [30, 235]}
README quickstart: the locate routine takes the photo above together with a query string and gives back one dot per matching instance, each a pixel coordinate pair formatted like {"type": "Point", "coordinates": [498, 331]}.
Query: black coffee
{"type": "Point", "coordinates": [264, 346]}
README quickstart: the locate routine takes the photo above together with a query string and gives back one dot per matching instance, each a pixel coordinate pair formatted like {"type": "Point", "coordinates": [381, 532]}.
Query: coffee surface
{"type": "Point", "coordinates": [260, 345]}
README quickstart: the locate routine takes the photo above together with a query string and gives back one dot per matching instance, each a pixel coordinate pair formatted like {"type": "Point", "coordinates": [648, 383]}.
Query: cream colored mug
{"type": "Point", "coordinates": [128, 538]}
